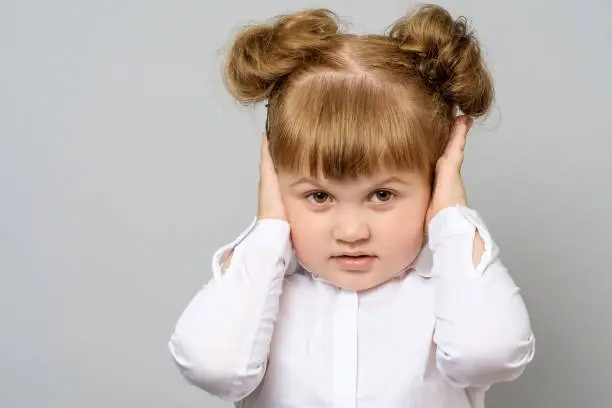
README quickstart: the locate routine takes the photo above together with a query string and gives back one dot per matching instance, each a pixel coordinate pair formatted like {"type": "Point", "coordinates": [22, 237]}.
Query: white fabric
{"type": "Point", "coordinates": [268, 334]}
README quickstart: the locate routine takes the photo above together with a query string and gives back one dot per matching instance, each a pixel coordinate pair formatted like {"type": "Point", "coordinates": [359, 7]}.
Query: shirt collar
{"type": "Point", "coordinates": [423, 263]}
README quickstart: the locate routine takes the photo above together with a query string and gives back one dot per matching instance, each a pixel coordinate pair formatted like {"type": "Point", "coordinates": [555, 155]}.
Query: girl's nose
{"type": "Point", "coordinates": [351, 228]}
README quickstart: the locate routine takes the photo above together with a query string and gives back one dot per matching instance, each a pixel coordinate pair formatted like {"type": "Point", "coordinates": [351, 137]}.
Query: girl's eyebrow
{"type": "Point", "coordinates": [393, 179]}
{"type": "Point", "coordinates": [306, 180]}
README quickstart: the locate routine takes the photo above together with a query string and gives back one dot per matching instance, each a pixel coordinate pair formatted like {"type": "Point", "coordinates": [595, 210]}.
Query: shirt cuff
{"type": "Point", "coordinates": [271, 233]}
{"type": "Point", "coordinates": [460, 223]}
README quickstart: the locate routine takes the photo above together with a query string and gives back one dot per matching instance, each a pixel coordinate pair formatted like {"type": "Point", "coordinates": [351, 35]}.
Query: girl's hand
{"type": "Point", "coordinates": [270, 202]}
{"type": "Point", "coordinates": [448, 185]}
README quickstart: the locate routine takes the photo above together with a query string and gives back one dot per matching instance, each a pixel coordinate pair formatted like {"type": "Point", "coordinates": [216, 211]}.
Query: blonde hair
{"type": "Point", "coordinates": [346, 104]}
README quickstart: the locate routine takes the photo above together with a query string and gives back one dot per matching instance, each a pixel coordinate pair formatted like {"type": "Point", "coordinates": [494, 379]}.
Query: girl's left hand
{"type": "Point", "coordinates": [448, 185]}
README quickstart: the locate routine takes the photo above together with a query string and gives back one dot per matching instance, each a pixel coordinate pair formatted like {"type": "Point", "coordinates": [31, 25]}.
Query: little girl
{"type": "Point", "coordinates": [365, 280]}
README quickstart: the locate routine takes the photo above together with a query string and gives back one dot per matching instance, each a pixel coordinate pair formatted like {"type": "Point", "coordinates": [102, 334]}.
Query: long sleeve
{"type": "Point", "coordinates": [222, 339]}
{"type": "Point", "coordinates": [483, 332]}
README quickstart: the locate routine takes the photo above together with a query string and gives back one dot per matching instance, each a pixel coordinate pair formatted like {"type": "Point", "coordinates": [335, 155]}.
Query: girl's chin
{"type": "Point", "coordinates": [355, 281]}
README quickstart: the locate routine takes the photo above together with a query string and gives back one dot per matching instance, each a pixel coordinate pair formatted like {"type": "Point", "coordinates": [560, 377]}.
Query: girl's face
{"type": "Point", "coordinates": [381, 216]}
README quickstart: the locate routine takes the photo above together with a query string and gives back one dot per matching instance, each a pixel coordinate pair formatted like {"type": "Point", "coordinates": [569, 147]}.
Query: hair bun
{"type": "Point", "coordinates": [263, 54]}
{"type": "Point", "coordinates": [447, 56]}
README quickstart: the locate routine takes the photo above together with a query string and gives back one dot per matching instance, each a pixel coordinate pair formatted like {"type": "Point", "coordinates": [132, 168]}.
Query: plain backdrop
{"type": "Point", "coordinates": [124, 164]}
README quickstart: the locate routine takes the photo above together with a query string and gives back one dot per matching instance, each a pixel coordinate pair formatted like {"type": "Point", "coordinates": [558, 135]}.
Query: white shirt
{"type": "Point", "coordinates": [268, 334]}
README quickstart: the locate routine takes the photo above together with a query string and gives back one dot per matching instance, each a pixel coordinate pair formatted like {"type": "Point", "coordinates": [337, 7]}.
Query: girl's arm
{"type": "Point", "coordinates": [222, 339]}
{"type": "Point", "coordinates": [483, 332]}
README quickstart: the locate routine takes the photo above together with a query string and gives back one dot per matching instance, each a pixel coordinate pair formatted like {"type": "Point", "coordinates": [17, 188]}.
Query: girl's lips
{"type": "Point", "coordinates": [354, 263]}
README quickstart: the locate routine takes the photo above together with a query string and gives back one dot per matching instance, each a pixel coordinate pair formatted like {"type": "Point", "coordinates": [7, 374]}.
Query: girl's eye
{"type": "Point", "coordinates": [383, 195]}
{"type": "Point", "coordinates": [319, 197]}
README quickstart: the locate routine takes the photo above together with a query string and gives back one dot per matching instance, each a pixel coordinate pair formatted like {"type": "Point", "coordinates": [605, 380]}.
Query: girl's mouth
{"type": "Point", "coordinates": [355, 263]}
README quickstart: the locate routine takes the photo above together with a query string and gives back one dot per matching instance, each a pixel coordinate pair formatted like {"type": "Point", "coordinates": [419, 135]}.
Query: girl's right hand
{"type": "Point", "coordinates": [270, 204]}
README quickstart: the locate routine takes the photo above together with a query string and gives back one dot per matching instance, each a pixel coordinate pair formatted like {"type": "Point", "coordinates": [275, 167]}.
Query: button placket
{"type": "Point", "coordinates": [345, 358]}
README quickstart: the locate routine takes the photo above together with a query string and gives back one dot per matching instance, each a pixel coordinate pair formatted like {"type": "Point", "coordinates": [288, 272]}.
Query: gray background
{"type": "Point", "coordinates": [124, 164]}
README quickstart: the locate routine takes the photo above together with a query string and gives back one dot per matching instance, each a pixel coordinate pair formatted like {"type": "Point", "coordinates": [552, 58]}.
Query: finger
{"type": "Point", "coordinates": [456, 145]}
{"type": "Point", "coordinates": [265, 158]}
{"type": "Point", "coordinates": [264, 145]}
{"type": "Point", "coordinates": [265, 152]}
